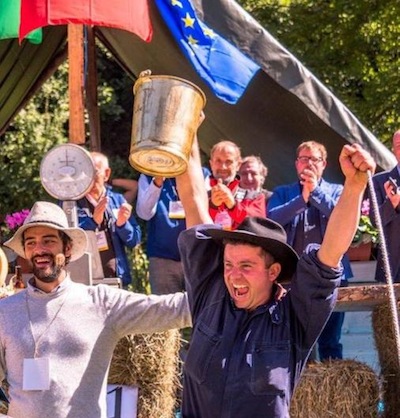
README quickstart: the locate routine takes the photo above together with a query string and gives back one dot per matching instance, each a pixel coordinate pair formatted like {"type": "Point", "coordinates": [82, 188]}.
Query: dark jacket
{"type": "Point", "coordinates": [286, 206]}
{"type": "Point", "coordinates": [246, 364]}
{"type": "Point", "coordinates": [391, 226]}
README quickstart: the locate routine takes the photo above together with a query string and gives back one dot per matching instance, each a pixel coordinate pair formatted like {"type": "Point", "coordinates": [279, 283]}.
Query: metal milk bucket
{"type": "Point", "coordinates": [166, 115]}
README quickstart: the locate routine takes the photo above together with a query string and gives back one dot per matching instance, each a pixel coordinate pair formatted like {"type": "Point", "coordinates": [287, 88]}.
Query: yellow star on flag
{"type": "Point", "coordinates": [176, 3]}
{"type": "Point", "coordinates": [192, 41]}
{"type": "Point", "coordinates": [209, 32]}
{"type": "Point", "coordinates": [188, 21]}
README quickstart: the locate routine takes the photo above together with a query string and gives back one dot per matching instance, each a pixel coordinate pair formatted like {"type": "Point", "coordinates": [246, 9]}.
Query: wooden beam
{"type": "Point", "coordinates": [76, 84]}
{"type": "Point", "coordinates": [364, 297]}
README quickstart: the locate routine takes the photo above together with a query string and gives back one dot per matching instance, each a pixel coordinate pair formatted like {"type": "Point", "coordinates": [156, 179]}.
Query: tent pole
{"type": "Point", "coordinates": [76, 84]}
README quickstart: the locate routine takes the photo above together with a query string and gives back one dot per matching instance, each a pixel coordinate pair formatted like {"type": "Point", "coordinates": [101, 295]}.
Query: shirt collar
{"type": "Point", "coordinates": [61, 288]}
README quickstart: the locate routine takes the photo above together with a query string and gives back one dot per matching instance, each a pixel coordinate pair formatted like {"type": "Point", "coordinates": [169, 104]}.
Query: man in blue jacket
{"type": "Point", "coordinates": [110, 216]}
{"type": "Point", "coordinates": [250, 337]}
{"type": "Point", "coordinates": [303, 208]}
{"type": "Point", "coordinates": [158, 203]}
{"type": "Point", "coordinates": [388, 197]}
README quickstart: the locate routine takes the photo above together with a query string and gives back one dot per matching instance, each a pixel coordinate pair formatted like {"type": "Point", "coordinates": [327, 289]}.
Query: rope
{"type": "Point", "coordinates": [386, 265]}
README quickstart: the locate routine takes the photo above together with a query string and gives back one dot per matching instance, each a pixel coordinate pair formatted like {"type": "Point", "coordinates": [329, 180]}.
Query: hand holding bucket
{"type": "Point", "coordinates": [165, 120]}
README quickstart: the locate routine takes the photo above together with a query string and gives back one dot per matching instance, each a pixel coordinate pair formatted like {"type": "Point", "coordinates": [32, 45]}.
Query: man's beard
{"type": "Point", "coordinates": [51, 273]}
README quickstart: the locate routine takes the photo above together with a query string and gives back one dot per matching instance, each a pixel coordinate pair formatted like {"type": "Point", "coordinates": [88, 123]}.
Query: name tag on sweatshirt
{"type": "Point", "coordinates": [36, 374]}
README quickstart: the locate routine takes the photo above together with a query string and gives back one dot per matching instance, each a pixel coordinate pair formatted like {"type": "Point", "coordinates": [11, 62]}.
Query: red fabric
{"type": "Point", "coordinates": [237, 213]}
{"type": "Point", "coordinates": [130, 15]}
{"type": "Point", "coordinates": [243, 207]}
{"type": "Point", "coordinates": [256, 206]}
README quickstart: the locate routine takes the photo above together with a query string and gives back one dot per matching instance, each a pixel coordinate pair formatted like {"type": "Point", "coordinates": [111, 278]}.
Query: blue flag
{"type": "Point", "coordinates": [225, 69]}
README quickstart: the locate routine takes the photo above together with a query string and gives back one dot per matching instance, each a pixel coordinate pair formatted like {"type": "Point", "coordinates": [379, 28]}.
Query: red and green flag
{"type": "Point", "coordinates": [10, 19]}
{"type": "Point", "coordinates": [130, 15]}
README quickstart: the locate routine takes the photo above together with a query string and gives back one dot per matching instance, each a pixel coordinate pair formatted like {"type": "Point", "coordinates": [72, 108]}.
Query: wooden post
{"type": "Point", "coordinates": [76, 84]}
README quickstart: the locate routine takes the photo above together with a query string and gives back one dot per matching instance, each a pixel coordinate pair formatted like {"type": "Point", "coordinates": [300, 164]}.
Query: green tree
{"type": "Point", "coordinates": [37, 128]}
{"type": "Point", "coordinates": [116, 107]}
{"type": "Point", "coordinates": [352, 47]}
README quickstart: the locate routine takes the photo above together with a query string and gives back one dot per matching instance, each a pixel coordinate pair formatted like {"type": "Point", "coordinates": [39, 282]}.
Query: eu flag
{"type": "Point", "coordinates": [225, 69]}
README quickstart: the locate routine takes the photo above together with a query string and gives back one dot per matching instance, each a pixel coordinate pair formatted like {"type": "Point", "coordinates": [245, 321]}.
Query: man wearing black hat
{"type": "Point", "coordinates": [251, 337]}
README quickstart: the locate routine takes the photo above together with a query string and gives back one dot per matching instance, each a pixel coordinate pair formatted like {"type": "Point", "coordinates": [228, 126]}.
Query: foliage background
{"type": "Point", "coordinates": [351, 46]}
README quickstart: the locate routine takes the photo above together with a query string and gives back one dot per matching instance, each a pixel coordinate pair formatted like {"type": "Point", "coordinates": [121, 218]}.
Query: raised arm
{"type": "Point", "coordinates": [355, 164]}
{"type": "Point", "coordinates": [192, 191]}
{"type": "Point", "coordinates": [148, 195]}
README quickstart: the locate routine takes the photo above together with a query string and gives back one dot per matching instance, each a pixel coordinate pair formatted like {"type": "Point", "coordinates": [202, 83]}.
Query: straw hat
{"type": "Point", "coordinates": [3, 266]}
{"type": "Point", "coordinates": [263, 233]}
{"type": "Point", "coordinates": [52, 216]}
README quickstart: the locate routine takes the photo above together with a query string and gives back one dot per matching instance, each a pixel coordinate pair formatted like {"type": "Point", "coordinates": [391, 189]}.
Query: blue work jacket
{"type": "Point", "coordinates": [287, 204]}
{"type": "Point", "coordinates": [128, 235]}
{"type": "Point", "coordinates": [244, 364]}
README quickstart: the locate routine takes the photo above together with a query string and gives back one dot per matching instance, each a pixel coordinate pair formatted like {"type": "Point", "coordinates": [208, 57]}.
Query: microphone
{"type": "Point", "coordinates": [59, 260]}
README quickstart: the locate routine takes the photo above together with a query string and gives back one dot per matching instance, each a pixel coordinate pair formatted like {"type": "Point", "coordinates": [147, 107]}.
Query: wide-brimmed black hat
{"type": "Point", "coordinates": [263, 233]}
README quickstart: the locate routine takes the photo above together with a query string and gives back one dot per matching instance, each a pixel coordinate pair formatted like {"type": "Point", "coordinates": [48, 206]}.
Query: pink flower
{"type": "Point", "coordinates": [365, 207]}
{"type": "Point", "coordinates": [16, 219]}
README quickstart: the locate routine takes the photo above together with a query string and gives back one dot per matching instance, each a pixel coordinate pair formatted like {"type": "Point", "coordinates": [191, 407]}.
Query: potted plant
{"type": "Point", "coordinates": [366, 236]}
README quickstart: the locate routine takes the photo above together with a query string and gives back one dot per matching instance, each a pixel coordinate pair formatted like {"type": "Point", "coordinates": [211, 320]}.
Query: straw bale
{"type": "Point", "coordinates": [336, 389]}
{"type": "Point", "coordinates": [385, 342]}
{"type": "Point", "coordinates": [151, 362]}
{"type": "Point", "coordinates": [3, 408]}
{"type": "Point", "coordinates": [4, 405]}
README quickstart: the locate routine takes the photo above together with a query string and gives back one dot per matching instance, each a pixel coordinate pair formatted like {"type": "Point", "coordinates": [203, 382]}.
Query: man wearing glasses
{"type": "Point", "coordinates": [303, 209]}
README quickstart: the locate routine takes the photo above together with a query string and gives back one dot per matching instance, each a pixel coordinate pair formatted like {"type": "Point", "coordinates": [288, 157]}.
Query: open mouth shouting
{"type": "Point", "coordinates": [240, 291]}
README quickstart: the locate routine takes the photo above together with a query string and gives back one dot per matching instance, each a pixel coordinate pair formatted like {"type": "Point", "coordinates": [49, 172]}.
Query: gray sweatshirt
{"type": "Point", "coordinates": [77, 328]}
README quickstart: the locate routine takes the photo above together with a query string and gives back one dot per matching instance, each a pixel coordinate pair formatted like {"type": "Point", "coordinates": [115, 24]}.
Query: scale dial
{"type": "Point", "coordinates": [67, 172]}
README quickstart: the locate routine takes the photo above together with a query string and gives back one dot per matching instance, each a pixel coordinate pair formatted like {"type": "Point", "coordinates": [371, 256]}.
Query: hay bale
{"type": "Point", "coordinates": [151, 362]}
{"type": "Point", "coordinates": [336, 389]}
{"type": "Point", "coordinates": [385, 342]}
{"type": "Point", "coordinates": [3, 408]}
{"type": "Point", "coordinates": [4, 405]}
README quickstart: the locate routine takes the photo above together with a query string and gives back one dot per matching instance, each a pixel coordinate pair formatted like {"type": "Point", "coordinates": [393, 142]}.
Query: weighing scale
{"type": "Point", "coordinates": [67, 173]}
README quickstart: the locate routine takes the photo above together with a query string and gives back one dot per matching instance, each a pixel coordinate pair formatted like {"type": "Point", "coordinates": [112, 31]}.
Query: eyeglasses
{"type": "Point", "coordinates": [306, 160]}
